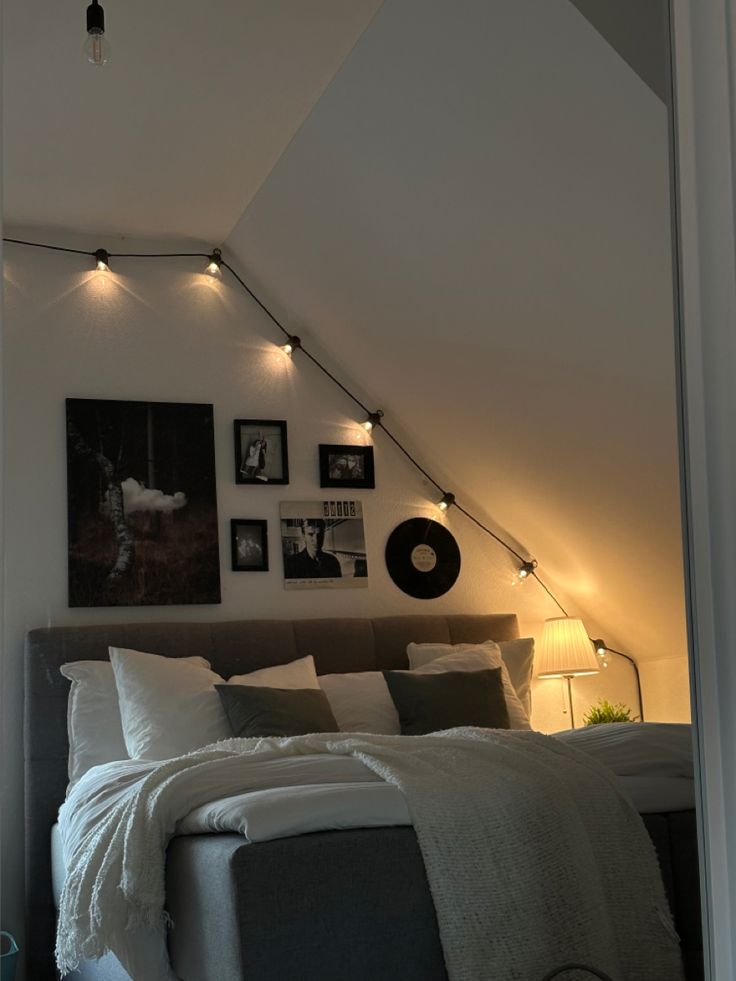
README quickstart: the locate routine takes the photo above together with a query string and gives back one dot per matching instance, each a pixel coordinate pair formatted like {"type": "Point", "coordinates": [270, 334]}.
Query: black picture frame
{"type": "Point", "coordinates": [249, 544]}
{"type": "Point", "coordinates": [336, 470]}
{"type": "Point", "coordinates": [254, 465]}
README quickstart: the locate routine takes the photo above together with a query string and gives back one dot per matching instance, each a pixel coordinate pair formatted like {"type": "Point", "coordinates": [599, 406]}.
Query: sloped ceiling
{"type": "Point", "coordinates": [469, 219]}
{"type": "Point", "coordinates": [638, 30]}
{"type": "Point", "coordinates": [478, 234]}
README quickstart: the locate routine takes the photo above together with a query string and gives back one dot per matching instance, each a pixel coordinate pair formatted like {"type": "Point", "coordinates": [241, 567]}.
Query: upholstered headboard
{"type": "Point", "coordinates": [233, 647]}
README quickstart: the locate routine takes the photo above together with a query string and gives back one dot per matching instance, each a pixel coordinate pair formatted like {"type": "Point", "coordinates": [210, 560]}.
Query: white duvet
{"type": "Point", "coordinates": [288, 795]}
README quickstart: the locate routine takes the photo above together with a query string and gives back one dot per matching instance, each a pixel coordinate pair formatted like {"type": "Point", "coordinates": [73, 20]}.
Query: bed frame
{"type": "Point", "coordinates": [232, 647]}
{"type": "Point", "coordinates": [391, 933]}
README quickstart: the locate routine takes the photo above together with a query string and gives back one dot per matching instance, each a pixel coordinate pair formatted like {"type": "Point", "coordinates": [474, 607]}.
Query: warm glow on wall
{"type": "Point", "coordinates": [372, 420]}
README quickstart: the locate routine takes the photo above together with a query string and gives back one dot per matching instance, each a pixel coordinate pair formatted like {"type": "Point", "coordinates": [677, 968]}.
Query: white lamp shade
{"type": "Point", "coordinates": [565, 649]}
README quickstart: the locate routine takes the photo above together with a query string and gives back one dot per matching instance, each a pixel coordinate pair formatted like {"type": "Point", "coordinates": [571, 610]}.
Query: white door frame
{"type": "Point", "coordinates": [704, 133]}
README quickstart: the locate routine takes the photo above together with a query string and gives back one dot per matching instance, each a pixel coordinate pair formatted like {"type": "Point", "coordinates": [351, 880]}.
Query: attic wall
{"type": "Point", "coordinates": [481, 225]}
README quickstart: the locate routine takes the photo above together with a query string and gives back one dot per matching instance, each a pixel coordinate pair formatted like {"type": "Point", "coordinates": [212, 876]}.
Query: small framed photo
{"type": "Point", "coordinates": [261, 454]}
{"type": "Point", "coordinates": [346, 466]}
{"type": "Point", "coordinates": [249, 544]}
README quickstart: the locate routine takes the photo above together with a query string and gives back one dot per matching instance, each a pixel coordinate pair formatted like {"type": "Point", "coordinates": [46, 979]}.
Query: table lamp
{"type": "Point", "coordinates": [565, 651]}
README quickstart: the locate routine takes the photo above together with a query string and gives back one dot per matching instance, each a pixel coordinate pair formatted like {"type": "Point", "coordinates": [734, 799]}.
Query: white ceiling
{"type": "Point", "coordinates": [177, 133]}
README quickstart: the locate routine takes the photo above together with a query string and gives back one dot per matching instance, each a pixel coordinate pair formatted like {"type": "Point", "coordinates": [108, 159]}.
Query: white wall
{"type": "Point", "coordinates": [666, 687]}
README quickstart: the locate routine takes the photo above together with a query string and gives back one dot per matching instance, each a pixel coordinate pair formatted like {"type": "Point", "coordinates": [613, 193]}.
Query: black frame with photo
{"type": "Point", "coordinates": [326, 473]}
{"type": "Point", "coordinates": [240, 456]}
{"type": "Point", "coordinates": [238, 565]}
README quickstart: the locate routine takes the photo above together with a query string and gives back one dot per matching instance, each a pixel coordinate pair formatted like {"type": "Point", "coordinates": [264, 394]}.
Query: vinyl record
{"type": "Point", "coordinates": [422, 558]}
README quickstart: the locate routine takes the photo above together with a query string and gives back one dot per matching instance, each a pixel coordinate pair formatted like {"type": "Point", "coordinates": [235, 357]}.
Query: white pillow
{"type": "Point", "coordinates": [361, 702]}
{"type": "Point", "coordinates": [168, 705]}
{"type": "Point", "coordinates": [517, 654]}
{"type": "Point", "coordinates": [296, 674]}
{"type": "Point", "coordinates": [469, 657]}
{"type": "Point", "coordinates": [93, 717]}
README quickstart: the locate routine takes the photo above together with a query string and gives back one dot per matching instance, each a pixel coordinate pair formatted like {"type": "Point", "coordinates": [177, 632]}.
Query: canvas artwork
{"type": "Point", "coordinates": [142, 503]}
{"type": "Point", "coordinates": [323, 545]}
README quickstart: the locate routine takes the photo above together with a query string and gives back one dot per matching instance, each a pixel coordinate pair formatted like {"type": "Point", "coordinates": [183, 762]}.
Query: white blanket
{"type": "Point", "coordinates": [532, 856]}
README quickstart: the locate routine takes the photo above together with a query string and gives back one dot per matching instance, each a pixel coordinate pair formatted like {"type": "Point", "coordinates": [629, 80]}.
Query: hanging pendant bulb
{"type": "Point", "coordinates": [96, 47]}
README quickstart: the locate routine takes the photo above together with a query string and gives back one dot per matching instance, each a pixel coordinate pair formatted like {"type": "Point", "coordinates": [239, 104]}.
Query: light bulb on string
{"type": "Point", "coordinates": [526, 570]}
{"type": "Point", "coordinates": [292, 344]}
{"type": "Point", "coordinates": [102, 260]}
{"type": "Point", "coordinates": [373, 420]}
{"type": "Point", "coordinates": [448, 499]}
{"type": "Point", "coordinates": [215, 261]}
{"type": "Point", "coordinates": [601, 650]}
{"type": "Point", "coordinates": [96, 47]}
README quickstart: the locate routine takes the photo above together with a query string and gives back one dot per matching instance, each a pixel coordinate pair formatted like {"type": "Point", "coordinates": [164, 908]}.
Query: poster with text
{"type": "Point", "coordinates": [142, 503]}
{"type": "Point", "coordinates": [323, 545]}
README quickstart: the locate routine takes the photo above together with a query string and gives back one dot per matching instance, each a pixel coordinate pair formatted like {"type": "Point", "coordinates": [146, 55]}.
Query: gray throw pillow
{"type": "Point", "coordinates": [430, 702]}
{"type": "Point", "coordinates": [255, 711]}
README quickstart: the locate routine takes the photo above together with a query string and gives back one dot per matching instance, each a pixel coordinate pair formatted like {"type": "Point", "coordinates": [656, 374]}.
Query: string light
{"type": "Point", "coordinates": [373, 420]}
{"type": "Point", "coordinates": [447, 501]}
{"type": "Point", "coordinates": [293, 344]}
{"type": "Point", "coordinates": [213, 266]}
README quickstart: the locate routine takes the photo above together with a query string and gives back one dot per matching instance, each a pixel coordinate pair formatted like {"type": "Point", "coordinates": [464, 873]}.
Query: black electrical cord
{"type": "Point", "coordinates": [318, 364]}
{"type": "Point", "coordinates": [635, 666]}
{"type": "Point", "coordinates": [54, 248]}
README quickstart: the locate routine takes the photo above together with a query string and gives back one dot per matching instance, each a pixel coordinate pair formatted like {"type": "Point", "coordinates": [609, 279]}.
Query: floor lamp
{"type": "Point", "coordinates": [564, 652]}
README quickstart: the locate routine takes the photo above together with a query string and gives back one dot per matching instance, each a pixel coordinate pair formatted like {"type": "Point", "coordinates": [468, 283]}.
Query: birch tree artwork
{"type": "Point", "coordinates": [142, 503]}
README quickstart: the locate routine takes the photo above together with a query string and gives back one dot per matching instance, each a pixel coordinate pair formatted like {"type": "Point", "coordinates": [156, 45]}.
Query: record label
{"type": "Point", "coordinates": [422, 558]}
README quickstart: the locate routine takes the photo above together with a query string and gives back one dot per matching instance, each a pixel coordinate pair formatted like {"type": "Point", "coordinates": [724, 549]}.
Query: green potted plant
{"type": "Point", "coordinates": [605, 711]}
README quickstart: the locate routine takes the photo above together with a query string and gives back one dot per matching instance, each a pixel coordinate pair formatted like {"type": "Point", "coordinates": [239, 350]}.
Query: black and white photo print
{"type": "Point", "coordinates": [142, 503]}
{"type": "Point", "coordinates": [249, 544]}
{"type": "Point", "coordinates": [261, 454]}
{"type": "Point", "coordinates": [323, 545]}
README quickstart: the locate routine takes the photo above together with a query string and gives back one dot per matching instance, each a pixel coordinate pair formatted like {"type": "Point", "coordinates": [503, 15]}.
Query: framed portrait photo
{"type": "Point", "coordinates": [249, 544]}
{"type": "Point", "coordinates": [261, 454]}
{"type": "Point", "coordinates": [323, 545]}
{"type": "Point", "coordinates": [346, 466]}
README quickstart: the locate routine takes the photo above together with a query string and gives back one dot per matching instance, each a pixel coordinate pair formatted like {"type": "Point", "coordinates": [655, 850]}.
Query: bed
{"type": "Point", "coordinates": [383, 932]}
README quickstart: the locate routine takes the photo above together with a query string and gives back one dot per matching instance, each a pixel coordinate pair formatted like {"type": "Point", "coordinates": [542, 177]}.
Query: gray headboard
{"type": "Point", "coordinates": [233, 647]}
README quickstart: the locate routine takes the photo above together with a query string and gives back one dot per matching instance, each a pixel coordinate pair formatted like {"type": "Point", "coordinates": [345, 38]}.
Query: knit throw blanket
{"type": "Point", "coordinates": [533, 857]}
